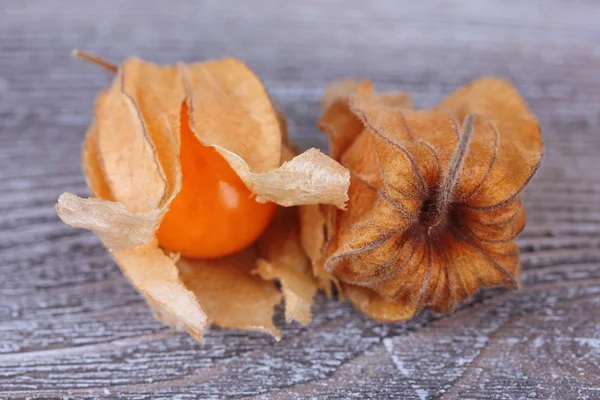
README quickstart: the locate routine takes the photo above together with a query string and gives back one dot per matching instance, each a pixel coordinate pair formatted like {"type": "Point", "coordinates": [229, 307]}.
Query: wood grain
{"type": "Point", "coordinates": [72, 327]}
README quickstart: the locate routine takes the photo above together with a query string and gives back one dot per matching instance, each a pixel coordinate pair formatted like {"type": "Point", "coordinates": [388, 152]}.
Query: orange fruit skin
{"type": "Point", "coordinates": [214, 214]}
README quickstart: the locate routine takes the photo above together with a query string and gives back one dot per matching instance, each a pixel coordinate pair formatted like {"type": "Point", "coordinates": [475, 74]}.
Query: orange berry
{"type": "Point", "coordinates": [214, 214]}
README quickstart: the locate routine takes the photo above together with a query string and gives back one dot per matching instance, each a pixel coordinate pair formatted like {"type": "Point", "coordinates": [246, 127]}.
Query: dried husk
{"type": "Point", "coordinates": [230, 294]}
{"type": "Point", "coordinates": [313, 221]}
{"type": "Point", "coordinates": [284, 260]}
{"type": "Point", "coordinates": [434, 200]}
{"type": "Point", "coordinates": [131, 163]}
{"type": "Point", "coordinates": [342, 128]}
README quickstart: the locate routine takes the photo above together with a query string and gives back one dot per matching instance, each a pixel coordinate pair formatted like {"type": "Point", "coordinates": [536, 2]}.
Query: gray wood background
{"type": "Point", "coordinates": [72, 326]}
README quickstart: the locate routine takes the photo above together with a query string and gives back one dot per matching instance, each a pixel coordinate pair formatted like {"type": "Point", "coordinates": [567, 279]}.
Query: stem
{"type": "Point", "coordinates": [82, 55]}
{"type": "Point", "coordinates": [446, 191]}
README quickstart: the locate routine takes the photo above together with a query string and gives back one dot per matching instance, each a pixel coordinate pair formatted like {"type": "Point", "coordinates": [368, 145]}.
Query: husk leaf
{"type": "Point", "coordinates": [231, 296]}
{"type": "Point", "coordinates": [282, 258]}
{"type": "Point", "coordinates": [245, 130]}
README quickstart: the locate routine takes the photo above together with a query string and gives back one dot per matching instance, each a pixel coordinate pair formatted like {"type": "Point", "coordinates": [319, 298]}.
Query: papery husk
{"type": "Point", "coordinates": [233, 96]}
{"type": "Point", "coordinates": [131, 162]}
{"type": "Point", "coordinates": [347, 136]}
{"type": "Point", "coordinates": [377, 307]}
{"type": "Point", "coordinates": [230, 295]}
{"type": "Point", "coordinates": [350, 139]}
{"type": "Point", "coordinates": [435, 196]}
{"type": "Point", "coordinates": [313, 221]}
{"type": "Point", "coordinates": [152, 272]}
{"type": "Point", "coordinates": [117, 228]}
{"type": "Point", "coordinates": [340, 125]}
{"type": "Point", "coordinates": [282, 258]}
{"type": "Point", "coordinates": [157, 277]}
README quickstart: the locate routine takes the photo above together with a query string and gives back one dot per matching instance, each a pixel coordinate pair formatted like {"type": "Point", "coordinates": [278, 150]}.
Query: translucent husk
{"type": "Point", "coordinates": [131, 163]}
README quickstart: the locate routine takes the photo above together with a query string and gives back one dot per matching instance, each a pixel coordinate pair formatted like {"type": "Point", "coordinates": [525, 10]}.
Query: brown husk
{"type": "Point", "coordinates": [131, 163]}
{"type": "Point", "coordinates": [434, 200]}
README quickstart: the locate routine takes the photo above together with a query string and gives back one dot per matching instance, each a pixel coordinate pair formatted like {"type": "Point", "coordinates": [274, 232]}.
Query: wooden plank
{"type": "Point", "coordinates": [70, 324]}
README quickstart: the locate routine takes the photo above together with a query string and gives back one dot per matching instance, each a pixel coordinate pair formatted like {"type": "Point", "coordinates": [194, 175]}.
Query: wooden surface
{"type": "Point", "coordinates": [72, 326]}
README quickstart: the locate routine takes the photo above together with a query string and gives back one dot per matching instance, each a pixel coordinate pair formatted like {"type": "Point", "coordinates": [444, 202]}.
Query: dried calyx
{"type": "Point", "coordinates": [433, 207]}
{"type": "Point", "coordinates": [132, 163]}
